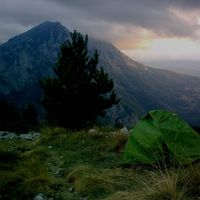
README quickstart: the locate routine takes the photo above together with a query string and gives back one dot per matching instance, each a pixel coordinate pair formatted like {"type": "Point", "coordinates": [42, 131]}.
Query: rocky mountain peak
{"type": "Point", "coordinates": [42, 31]}
{"type": "Point", "coordinates": [31, 56]}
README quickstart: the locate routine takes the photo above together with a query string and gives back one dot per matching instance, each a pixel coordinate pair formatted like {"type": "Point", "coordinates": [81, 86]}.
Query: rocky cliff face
{"type": "Point", "coordinates": [30, 56]}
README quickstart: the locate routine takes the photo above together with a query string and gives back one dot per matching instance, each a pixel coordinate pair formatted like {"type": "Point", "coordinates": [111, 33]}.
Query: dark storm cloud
{"type": "Point", "coordinates": [17, 16]}
{"type": "Point", "coordinates": [99, 17]}
{"type": "Point", "coordinates": [156, 15]}
{"type": "Point", "coordinates": [189, 3]}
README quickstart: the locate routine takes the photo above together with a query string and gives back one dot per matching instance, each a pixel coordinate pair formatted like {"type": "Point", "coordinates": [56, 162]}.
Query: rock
{"type": "Point", "coordinates": [29, 136]}
{"type": "Point", "coordinates": [83, 198]}
{"type": "Point", "coordinates": [35, 135]}
{"type": "Point", "coordinates": [124, 130]}
{"type": "Point", "coordinates": [7, 135]}
{"type": "Point", "coordinates": [2, 133]}
{"type": "Point", "coordinates": [71, 189]}
{"type": "Point", "coordinates": [92, 131]}
{"type": "Point", "coordinates": [40, 196]}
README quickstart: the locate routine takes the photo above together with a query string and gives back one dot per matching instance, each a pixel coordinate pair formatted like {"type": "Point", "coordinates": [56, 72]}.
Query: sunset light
{"type": "Point", "coordinates": [166, 49]}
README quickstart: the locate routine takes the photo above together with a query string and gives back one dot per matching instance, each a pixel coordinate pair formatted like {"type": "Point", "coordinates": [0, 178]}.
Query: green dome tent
{"type": "Point", "coordinates": [159, 133]}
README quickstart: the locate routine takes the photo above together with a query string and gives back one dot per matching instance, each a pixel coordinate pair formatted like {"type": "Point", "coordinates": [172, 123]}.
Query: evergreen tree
{"type": "Point", "coordinates": [80, 92]}
{"type": "Point", "coordinates": [10, 116]}
{"type": "Point", "coordinates": [29, 115]}
{"type": "Point", "coordinates": [9, 112]}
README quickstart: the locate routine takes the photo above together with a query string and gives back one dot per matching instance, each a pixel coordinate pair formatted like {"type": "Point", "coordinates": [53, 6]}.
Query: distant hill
{"type": "Point", "coordinates": [30, 56]}
{"type": "Point", "coordinates": [188, 67]}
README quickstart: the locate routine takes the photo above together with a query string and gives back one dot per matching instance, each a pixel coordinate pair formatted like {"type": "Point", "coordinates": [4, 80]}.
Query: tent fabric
{"type": "Point", "coordinates": [159, 133]}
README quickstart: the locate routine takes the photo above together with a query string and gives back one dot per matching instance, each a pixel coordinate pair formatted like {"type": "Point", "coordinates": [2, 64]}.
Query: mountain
{"type": "Point", "coordinates": [189, 67]}
{"type": "Point", "coordinates": [30, 56]}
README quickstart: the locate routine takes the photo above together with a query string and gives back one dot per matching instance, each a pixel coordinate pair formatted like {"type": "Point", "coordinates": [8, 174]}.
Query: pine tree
{"type": "Point", "coordinates": [29, 115]}
{"type": "Point", "coordinates": [80, 91]}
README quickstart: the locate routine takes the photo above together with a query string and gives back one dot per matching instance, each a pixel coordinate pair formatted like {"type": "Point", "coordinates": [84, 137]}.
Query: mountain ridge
{"type": "Point", "coordinates": [188, 67]}
{"type": "Point", "coordinates": [31, 55]}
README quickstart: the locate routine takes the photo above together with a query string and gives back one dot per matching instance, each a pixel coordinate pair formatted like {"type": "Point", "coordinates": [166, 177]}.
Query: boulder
{"type": "Point", "coordinates": [92, 131]}
{"type": "Point", "coordinates": [29, 136]}
{"type": "Point", "coordinates": [4, 135]}
{"type": "Point", "coordinates": [124, 130]}
{"type": "Point", "coordinates": [40, 196]}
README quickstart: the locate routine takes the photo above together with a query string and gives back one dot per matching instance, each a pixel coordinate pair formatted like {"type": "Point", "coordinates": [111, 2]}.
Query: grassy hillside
{"type": "Point", "coordinates": [64, 165]}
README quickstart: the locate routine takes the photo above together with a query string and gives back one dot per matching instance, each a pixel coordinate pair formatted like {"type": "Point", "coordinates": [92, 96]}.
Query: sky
{"type": "Point", "coordinates": [142, 29]}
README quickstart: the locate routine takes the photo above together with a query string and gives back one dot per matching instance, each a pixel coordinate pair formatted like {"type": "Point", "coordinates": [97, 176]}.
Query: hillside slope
{"type": "Point", "coordinates": [30, 56]}
{"type": "Point", "coordinates": [189, 67]}
{"type": "Point", "coordinates": [55, 165]}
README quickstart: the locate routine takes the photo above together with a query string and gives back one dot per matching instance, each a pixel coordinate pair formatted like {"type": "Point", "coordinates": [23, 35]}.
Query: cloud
{"type": "Point", "coordinates": [167, 49]}
{"type": "Point", "coordinates": [152, 14]}
{"type": "Point", "coordinates": [17, 16]}
{"type": "Point", "coordinates": [112, 20]}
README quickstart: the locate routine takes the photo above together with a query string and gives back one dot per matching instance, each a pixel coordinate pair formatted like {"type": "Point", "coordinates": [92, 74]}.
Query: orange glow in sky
{"type": "Point", "coordinates": [170, 48]}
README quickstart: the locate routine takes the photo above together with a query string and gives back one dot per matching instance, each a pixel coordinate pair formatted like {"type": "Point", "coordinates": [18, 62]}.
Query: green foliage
{"type": "Point", "coordinates": [23, 170]}
{"type": "Point", "coordinates": [68, 165]}
{"type": "Point", "coordinates": [94, 182]}
{"type": "Point", "coordinates": [190, 177]}
{"type": "Point", "coordinates": [81, 91]}
{"type": "Point", "coordinates": [24, 180]}
{"type": "Point", "coordinates": [117, 141]}
{"type": "Point", "coordinates": [8, 157]}
{"type": "Point", "coordinates": [15, 119]}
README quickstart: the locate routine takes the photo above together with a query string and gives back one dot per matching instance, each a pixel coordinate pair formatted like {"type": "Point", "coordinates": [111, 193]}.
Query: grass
{"type": "Point", "coordinates": [69, 165]}
{"type": "Point", "coordinates": [158, 185]}
{"type": "Point", "coordinates": [164, 186]}
{"type": "Point", "coordinates": [95, 182]}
